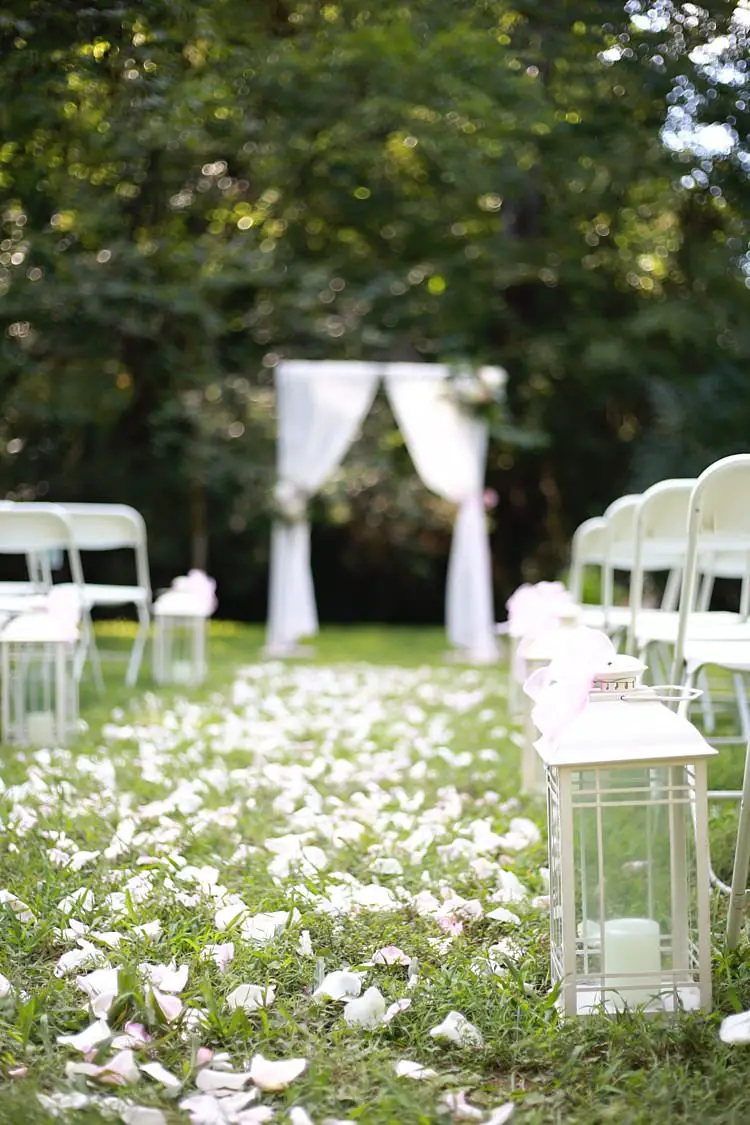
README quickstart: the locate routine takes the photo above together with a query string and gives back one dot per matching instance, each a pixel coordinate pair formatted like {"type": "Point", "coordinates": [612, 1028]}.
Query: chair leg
{"type": "Point", "coordinates": [87, 650]}
{"type": "Point", "coordinates": [738, 894]}
{"type": "Point", "coordinates": [139, 645]}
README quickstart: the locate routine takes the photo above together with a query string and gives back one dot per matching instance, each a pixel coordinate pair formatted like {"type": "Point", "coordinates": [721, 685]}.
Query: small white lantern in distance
{"type": "Point", "coordinates": [628, 846]}
{"type": "Point", "coordinates": [180, 616]}
{"type": "Point", "coordinates": [536, 653]}
{"type": "Point", "coordinates": [39, 695]}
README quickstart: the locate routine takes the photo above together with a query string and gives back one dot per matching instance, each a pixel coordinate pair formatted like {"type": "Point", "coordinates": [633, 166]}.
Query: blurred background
{"type": "Point", "coordinates": [190, 192]}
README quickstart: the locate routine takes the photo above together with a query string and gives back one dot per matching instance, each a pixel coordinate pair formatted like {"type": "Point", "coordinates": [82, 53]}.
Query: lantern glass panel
{"type": "Point", "coordinates": [634, 885]}
{"type": "Point", "coordinates": [39, 693]}
{"type": "Point", "coordinates": [180, 649]}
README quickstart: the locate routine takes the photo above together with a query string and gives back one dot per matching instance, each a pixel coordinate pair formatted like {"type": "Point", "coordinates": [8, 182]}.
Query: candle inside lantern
{"type": "Point", "coordinates": [40, 727]}
{"type": "Point", "coordinates": [632, 946]}
{"type": "Point", "coordinates": [182, 671]}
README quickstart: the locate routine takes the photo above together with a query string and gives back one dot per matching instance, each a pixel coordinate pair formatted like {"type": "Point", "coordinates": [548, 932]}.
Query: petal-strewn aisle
{"type": "Point", "coordinates": [312, 898]}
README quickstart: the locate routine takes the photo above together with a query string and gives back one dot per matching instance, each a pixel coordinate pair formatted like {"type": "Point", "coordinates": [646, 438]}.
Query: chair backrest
{"type": "Point", "coordinates": [34, 529]}
{"type": "Point", "coordinates": [718, 525]}
{"type": "Point", "coordinates": [109, 527]}
{"type": "Point", "coordinates": [588, 548]}
{"type": "Point", "coordinates": [661, 521]}
{"type": "Point", "coordinates": [620, 517]}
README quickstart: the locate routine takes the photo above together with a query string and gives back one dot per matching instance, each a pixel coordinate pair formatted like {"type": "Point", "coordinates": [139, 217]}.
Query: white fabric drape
{"type": "Point", "coordinates": [448, 447]}
{"type": "Point", "coordinates": [319, 413]}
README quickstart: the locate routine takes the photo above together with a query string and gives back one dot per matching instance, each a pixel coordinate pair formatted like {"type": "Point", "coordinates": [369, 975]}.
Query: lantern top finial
{"type": "Point", "coordinates": [622, 673]}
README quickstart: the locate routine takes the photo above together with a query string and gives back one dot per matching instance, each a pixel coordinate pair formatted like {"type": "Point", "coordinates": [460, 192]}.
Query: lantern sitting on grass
{"type": "Point", "coordinates": [532, 609]}
{"type": "Point", "coordinates": [537, 651]}
{"type": "Point", "coordinates": [628, 836]}
{"type": "Point", "coordinates": [39, 686]}
{"type": "Point", "coordinates": [180, 616]}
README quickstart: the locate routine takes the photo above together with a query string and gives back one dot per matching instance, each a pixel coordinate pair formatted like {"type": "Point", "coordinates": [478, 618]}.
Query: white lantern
{"type": "Point", "coordinates": [180, 638]}
{"type": "Point", "coordinates": [538, 653]}
{"type": "Point", "coordinates": [39, 687]}
{"type": "Point", "coordinates": [628, 846]}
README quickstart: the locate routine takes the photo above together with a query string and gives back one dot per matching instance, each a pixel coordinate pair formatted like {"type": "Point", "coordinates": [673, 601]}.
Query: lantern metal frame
{"type": "Point", "coordinates": [180, 639]}
{"type": "Point", "coordinates": [39, 692]}
{"type": "Point", "coordinates": [639, 770]}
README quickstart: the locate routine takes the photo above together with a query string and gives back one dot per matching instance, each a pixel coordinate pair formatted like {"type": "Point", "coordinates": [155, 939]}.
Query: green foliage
{"type": "Point", "coordinates": [189, 192]}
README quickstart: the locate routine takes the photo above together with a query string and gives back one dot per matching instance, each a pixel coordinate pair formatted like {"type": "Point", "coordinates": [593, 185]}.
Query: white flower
{"type": "Point", "coordinates": [735, 1029]}
{"type": "Point", "coordinates": [250, 997]}
{"type": "Point", "coordinates": [406, 1069]}
{"type": "Point", "coordinates": [6, 988]}
{"type": "Point", "coordinates": [366, 1011]}
{"type": "Point", "coordinates": [270, 1076]}
{"type": "Point", "coordinates": [340, 985]}
{"type": "Point", "coordinates": [455, 1028]}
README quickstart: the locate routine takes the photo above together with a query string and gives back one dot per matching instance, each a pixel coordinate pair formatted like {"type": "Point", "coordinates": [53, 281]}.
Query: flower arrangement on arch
{"type": "Point", "coordinates": [480, 391]}
{"type": "Point", "coordinates": [288, 502]}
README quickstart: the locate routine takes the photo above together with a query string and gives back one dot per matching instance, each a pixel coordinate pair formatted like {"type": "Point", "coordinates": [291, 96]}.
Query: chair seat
{"type": "Point", "coordinates": [734, 655]}
{"type": "Point", "coordinates": [658, 626]}
{"type": "Point", "coordinates": [96, 594]}
{"type": "Point", "coordinates": [593, 616]}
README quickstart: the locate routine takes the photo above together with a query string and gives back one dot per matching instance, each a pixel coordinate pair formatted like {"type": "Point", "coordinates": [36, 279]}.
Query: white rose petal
{"type": "Point", "coordinates": [250, 997]}
{"type": "Point", "coordinates": [167, 978]}
{"type": "Point", "coordinates": [169, 1005]}
{"type": "Point", "coordinates": [160, 1074]}
{"type": "Point", "coordinates": [340, 985]}
{"type": "Point", "coordinates": [735, 1029]}
{"type": "Point", "coordinates": [269, 1075]}
{"type": "Point", "coordinates": [406, 1069]}
{"type": "Point", "coordinates": [142, 1115]}
{"type": "Point", "coordinates": [500, 1115]}
{"type": "Point", "coordinates": [208, 1080]}
{"type": "Point", "coordinates": [455, 1028]}
{"type": "Point", "coordinates": [396, 1008]}
{"type": "Point", "coordinates": [22, 912]}
{"type": "Point", "coordinates": [503, 915]}
{"type": "Point", "coordinates": [299, 1116]}
{"type": "Point", "coordinates": [204, 1109]}
{"type": "Point", "coordinates": [87, 1039]}
{"type": "Point", "coordinates": [305, 947]}
{"type": "Point", "coordinates": [457, 1105]}
{"type": "Point", "coordinates": [366, 1011]}
{"type": "Point", "coordinates": [222, 955]}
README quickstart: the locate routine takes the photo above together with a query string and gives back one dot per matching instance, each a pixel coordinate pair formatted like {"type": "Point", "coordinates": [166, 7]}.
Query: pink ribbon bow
{"type": "Point", "coordinates": [532, 609]}
{"type": "Point", "coordinates": [201, 587]}
{"type": "Point", "coordinates": [561, 690]}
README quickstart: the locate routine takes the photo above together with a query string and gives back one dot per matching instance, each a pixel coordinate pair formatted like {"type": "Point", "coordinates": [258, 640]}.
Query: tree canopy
{"type": "Point", "coordinates": [191, 191]}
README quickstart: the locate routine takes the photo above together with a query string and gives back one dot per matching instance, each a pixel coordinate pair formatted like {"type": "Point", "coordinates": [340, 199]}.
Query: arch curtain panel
{"type": "Point", "coordinates": [320, 408]}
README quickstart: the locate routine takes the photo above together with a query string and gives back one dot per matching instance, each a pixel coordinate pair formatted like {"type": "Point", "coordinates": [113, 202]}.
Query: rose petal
{"type": "Point", "coordinates": [208, 1080]}
{"type": "Point", "coordinates": [160, 1074]}
{"type": "Point", "coordinates": [271, 1075]}
{"type": "Point", "coordinates": [390, 955]}
{"type": "Point", "coordinates": [340, 985]}
{"type": "Point", "coordinates": [87, 1039]}
{"type": "Point", "coordinates": [455, 1028]}
{"type": "Point", "coordinates": [250, 997]}
{"type": "Point", "coordinates": [406, 1069]}
{"type": "Point", "coordinates": [367, 1010]}
{"type": "Point", "coordinates": [170, 1006]}
{"type": "Point", "coordinates": [735, 1029]}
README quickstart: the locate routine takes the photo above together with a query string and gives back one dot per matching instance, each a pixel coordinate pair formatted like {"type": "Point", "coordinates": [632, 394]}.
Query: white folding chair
{"type": "Point", "coordinates": [37, 568]}
{"type": "Point", "coordinates": [110, 527]}
{"type": "Point", "coordinates": [36, 530]}
{"type": "Point", "coordinates": [719, 526]}
{"type": "Point", "coordinates": [588, 549]}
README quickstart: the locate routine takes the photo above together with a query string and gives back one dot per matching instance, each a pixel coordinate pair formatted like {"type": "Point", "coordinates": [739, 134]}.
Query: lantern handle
{"type": "Point", "coordinates": [664, 693]}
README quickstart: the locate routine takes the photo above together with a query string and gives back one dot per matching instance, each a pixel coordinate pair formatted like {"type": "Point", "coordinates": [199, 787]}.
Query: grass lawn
{"type": "Point", "coordinates": [289, 821]}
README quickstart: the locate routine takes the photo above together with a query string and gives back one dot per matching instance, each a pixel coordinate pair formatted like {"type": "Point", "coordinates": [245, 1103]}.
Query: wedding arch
{"type": "Point", "coordinates": [320, 407]}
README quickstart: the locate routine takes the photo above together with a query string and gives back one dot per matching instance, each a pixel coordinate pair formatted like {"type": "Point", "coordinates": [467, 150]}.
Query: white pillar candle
{"type": "Point", "coordinates": [40, 728]}
{"type": "Point", "coordinates": [182, 672]}
{"type": "Point", "coordinates": [632, 946]}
